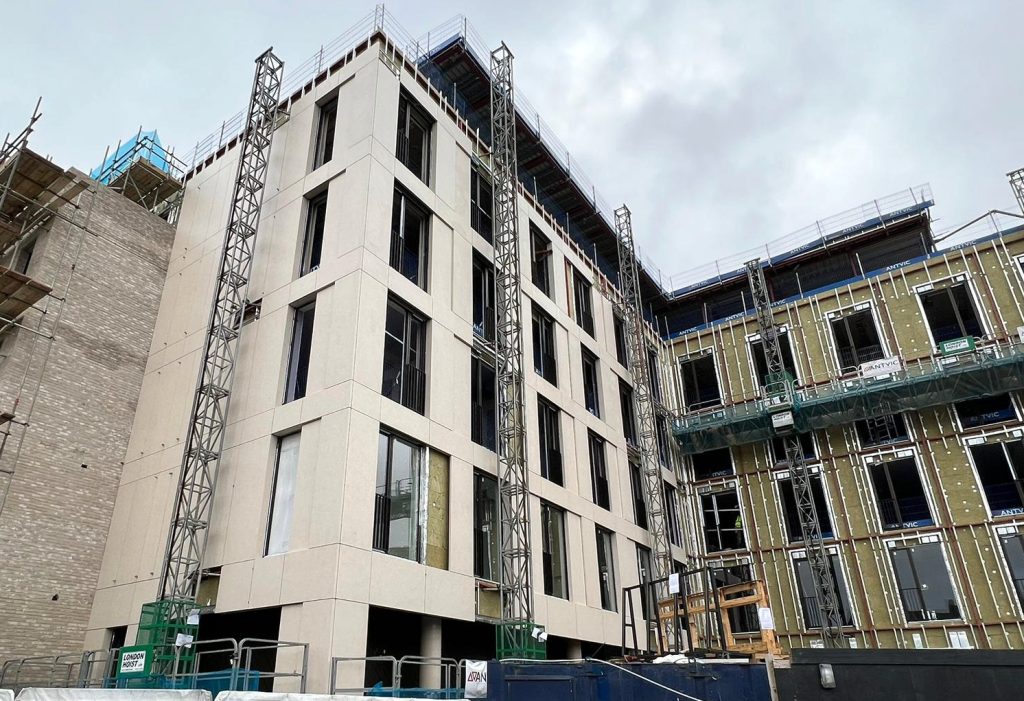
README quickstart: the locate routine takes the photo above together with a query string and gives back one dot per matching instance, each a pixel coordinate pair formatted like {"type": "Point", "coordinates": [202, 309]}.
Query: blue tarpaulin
{"type": "Point", "coordinates": [145, 145]}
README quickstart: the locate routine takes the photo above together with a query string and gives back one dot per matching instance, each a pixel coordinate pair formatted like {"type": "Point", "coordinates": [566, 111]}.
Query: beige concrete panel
{"type": "Point", "coordinates": [278, 248]}
{"type": "Point", "coordinates": [309, 574]}
{"type": "Point", "coordinates": [348, 640]}
{"type": "Point", "coordinates": [460, 556]}
{"type": "Point", "coordinates": [385, 110]}
{"type": "Point", "coordinates": [298, 135]}
{"type": "Point", "coordinates": [378, 207]}
{"type": "Point", "coordinates": [370, 333]}
{"type": "Point", "coordinates": [561, 617]}
{"type": "Point", "coordinates": [328, 482]}
{"type": "Point", "coordinates": [386, 571]}
{"type": "Point", "coordinates": [235, 585]}
{"type": "Point", "coordinates": [450, 595]}
{"type": "Point", "coordinates": [305, 485]}
{"type": "Point", "coordinates": [360, 483]}
{"type": "Point", "coordinates": [340, 327]}
{"type": "Point", "coordinates": [243, 528]}
{"type": "Point", "coordinates": [353, 582]}
{"type": "Point", "coordinates": [267, 573]}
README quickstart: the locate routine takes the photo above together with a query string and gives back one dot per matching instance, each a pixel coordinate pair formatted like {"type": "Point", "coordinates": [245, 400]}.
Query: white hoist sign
{"type": "Point", "coordinates": [476, 679]}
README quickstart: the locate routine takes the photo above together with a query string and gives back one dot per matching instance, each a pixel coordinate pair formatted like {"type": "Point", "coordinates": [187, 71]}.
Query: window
{"type": "Point", "coordinates": [877, 430]}
{"type": "Point", "coordinates": [1000, 466]}
{"type": "Point", "coordinates": [544, 345]}
{"type": "Point", "coordinates": [986, 410]}
{"type": "Point", "coordinates": [809, 594]}
{"type": "Point", "coordinates": [396, 528]}
{"type": "Point", "coordinates": [409, 238]}
{"type": "Point", "coordinates": [621, 349]}
{"type": "Point", "coordinates": [950, 313]}
{"type": "Point", "coordinates": [645, 571]}
{"type": "Point", "coordinates": [328, 120]}
{"type": "Point", "coordinates": [628, 414]}
{"type": "Point", "coordinates": [414, 127]}
{"type": "Point", "coordinates": [486, 532]}
{"type": "Point", "coordinates": [286, 465]}
{"type": "Point", "coordinates": [742, 619]}
{"type": "Point", "coordinates": [778, 447]}
{"type": "Point", "coordinates": [483, 299]}
{"type": "Point", "coordinates": [925, 588]}
{"type": "Point", "coordinates": [672, 515]}
{"type": "Point", "coordinates": [606, 568]}
{"type": "Point", "coordinates": [598, 471]}
{"type": "Point", "coordinates": [761, 365]}
{"type": "Point", "coordinates": [901, 498]}
{"type": "Point", "coordinates": [540, 260]}
{"type": "Point", "coordinates": [637, 490]}
{"type": "Point", "coordinates": [481, 201]}
{"type": "Point", "coordinates": [1013, 550]}
{"type": "Point", "coordinates": [700, 382]}
{"type": "Point", "coordinates": [792, 515]}
{"type": "Point", "coordinates": [298, 360]}
{"type": "Point", "coordinates": [856, 339]}
{"type": "Point", "coordinates": [661, 433]}
{"type": "Point", "coordinates": [548, 419]}
{"type": "Point", "coordinates": [582, 302]}
{"type": "Point", "coordinates": [553, 555]}
{"type": "Point", "coordinates": [313, 241]}
{"type": "Point", "coordinates": [24, 256]}
{"type": "Point", "coordinates": [405, 377]}
{"type": "Point", "coordinates": [591, 395]}
{"type": "Point", "coordinates": [652, 373]}
{"type": "Point", "coordinates": [712, 463]}
{"type": "Point", "coordinates": [723, 523]}
{"type": "Point", "coordinates": [483, 404]}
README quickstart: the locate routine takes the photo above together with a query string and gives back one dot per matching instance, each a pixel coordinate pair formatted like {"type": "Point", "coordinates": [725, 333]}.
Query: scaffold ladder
{"type": "Point", "coordinates": [514, 636]}
{"type": "Point", "coordinates": [800, 477]}
{"type": "Point", "coordinates": [633, 321]}
{"type": "Point", "coordinates": [189, 528]}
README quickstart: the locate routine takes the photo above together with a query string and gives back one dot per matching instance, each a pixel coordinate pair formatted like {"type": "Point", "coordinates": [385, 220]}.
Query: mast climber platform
{"type": "Point", "coordinates": [779, 390]}
{"type": "Point", "coordinates": [163, 620]}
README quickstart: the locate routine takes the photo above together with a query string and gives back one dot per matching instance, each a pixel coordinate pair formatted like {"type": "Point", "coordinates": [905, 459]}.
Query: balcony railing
{"type": "Point", "coordinates": [409, 388]}
{"type": "Point", "coordinates": [905, 512]}
{"type": "Point", "coordinates": [381, 522]}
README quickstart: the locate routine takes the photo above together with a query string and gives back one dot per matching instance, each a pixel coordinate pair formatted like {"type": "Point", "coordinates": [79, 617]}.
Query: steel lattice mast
{"type": "Point", "coordinates": [1017, 183]}
{"type": "Point", "coordinates": [800, 477]}
{"type": "Point", "coordinates": [516, 589]}
{"type": "Point", "coordinates": [633, 320]}
{"type": "Point", "coordinates": [186, 541]}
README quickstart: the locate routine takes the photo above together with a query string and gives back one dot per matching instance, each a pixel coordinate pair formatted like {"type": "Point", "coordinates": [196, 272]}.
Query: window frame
{"type": "Point", "coordinates": [326, 129]}
{"type": "Point", "coordinates": [627, 410]}
{"type": "Point", "coordinates": [884, 461]}
{"type": "Point", "coordinates": [714, 494]}
{"type": "Point", "coordinates": [591, 382]}
{"type": "Point", "coordinates": [297, 376]}
{"type": "Point", "coordinates": [541, 256]}
{"type": "Point", "coordinates": [272, 510]}
{"type": "Point", "coordinates": [487, 305]}
{"type": "Point", "coordinates": [947, 284]}
{"type": "Point", "coordinates": [478, 410]}
{"type": "Point", "coordinates": [638, 495]}
{"type": "Point", "coordinates": [600, 478]}
{"type": "Point", "coordinates": [844, 315]}
{"type": "Point", "coordinates": [1015, 585]}
{"type": "Point", "coordinates": [545, 344]}
{"type": "Point", "coordinates": [549, 439]}
{"type": "Point", "coordinates": [1015, 470]}
{"type": "Point", "coordinates": [671, 497]}
{"type": "Point", "coordinates": [900, 544]}
{"type": "Point", "coordinates": [415, 115]}
{"type": "Point", "coordinates": [313, 233]}
{"type": "Point", "coordinates": [481, 214]}
{"type": "Point", "coordinates": [785, 343]}
{"type": "Point", "coordinates": [839, 582]}
{"type": "Point", "coordinates": [493, 562]}
{"type": "Point", "coordinates": [548, 555]}
{"type": "Point", "coordinates": [606, 579]}
{"type": "Point", "coordinates": [690, 359]}
{"type": "Point", "coordinates": [583, 302]}
{"type": "Point", "coordinates": [404, 201]}
{"type": "Point", "coordinates": [414, 327]}
{"type": "Point", "coordinates": [784, 486]}
{"type": "Point", "coordinates": [382, 528]}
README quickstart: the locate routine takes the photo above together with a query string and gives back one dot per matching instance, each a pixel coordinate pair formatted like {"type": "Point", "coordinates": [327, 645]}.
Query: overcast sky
{"type": "Point", "coordinates": [722, 124]}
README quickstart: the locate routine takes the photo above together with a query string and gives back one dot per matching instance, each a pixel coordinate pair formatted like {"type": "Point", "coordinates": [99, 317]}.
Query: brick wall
{"type": "Point", "coordinates": [54, 523]}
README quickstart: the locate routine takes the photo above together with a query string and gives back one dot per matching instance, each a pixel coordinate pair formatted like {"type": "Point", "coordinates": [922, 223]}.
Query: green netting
{"type": "Point", "coordinates": [515, 640]}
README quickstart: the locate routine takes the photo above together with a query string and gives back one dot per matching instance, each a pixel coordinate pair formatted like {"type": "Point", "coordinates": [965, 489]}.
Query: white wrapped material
{"type": "Point", "coordinates": [273, 696]}
{"type": "Point", "coordinates": [40, 694]}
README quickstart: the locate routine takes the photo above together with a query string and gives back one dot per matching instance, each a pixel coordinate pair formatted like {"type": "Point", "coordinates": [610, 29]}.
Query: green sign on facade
{"type": "Point", "coordinates": [957, 345]}
{"type": "Point", "coordinates": [135, 661]}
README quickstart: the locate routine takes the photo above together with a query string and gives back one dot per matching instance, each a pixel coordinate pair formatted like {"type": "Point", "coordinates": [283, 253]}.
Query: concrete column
{"type": "Point", "coordinates": [430, 646]}
{"type": "Point", "coordinates": [575, 649]}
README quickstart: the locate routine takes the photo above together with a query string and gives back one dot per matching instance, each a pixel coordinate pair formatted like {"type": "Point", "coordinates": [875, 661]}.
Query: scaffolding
{"type": "Point", "coordinates": [515, 632]}
{"type": "Point", "coordinates": [633, 320]}
{"type": "Point", "coordinates": [35, 195]}
{"type": "Point", "coordinates": [186, 542]}
{"type": "Point", "coordinates": [146, 173]}
{"type": "Point", "coordinates": [1017, 183]}
{"type": "Point", "coordinates": [777, 392]}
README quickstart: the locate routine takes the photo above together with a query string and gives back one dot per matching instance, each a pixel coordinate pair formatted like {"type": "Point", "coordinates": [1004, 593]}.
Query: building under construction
{"type": "Point", "coordinates": [437, 410]}
{"type": "Point", "coordinates": [82, 266]}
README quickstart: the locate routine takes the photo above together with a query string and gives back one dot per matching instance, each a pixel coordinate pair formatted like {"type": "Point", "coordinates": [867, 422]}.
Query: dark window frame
{"type": "Point", "coordinates": [1005, 497]}
{"type": "Point", "coordinates": [1014, 561]}
{"type": "Point", "coordinates": [484, 299]}
{"type": "Point", "coordinates": [383, 501]}
{"type": "Point", "coordinates": [313, 235]}
{"type": "Point", "coordinates": [583, 302]}
{"type": "Point", "coordinates": [759, 364]}
{"type": "Point", "coordinates": [409, 382]}
{"type": "Point", "coordinates": [541, 254]}
{"type": "Point", "coordinates": [627, 409]}
{"type": "Point", "coordinates": [411, 117]}
{"type": "Point", "coordinates": [638, 492]}
{"type": "Point", "coordinates": [545, 360]}
{"type": "Point", "coordinates": [600, 482]}
{"type": "Point", "coordinates": [327, 124]}
{"type": "Point", "coordinates": [675, 533]}
{"type": "Point", "coordinates": [809, 599]}
{"type": "Point", "coordinates": [549, 420]}
{"type": "Point", "coordinates": [550, 533]}
{"type": "Point", "coordinates": [481, 203]}
{"type": "Point", "coordinates": [960, 327]}
{"type": "Point", "coordinates": [606, 568]}
{"type": "Point", "coordinates": [486, 528]}
{"type": "Point", "coordinates": [870, 434]}
{"type": "Point", "coordinates": [850, 353]}
{"type": "Point", "coordinates": [412, 261]}
{"type": "Point", "coordinates": [483, 414]}
{"type": "Point", "coordinates": [300, 351]}
{"type": "Point", "coordinates": [591, 383]}
{"type": "Point", "coordinates": [726, 533]}
{"type": "Point", "coordinates": [691, 383]}
{"type": "Point", "coordinates": [791, 515]}
{"type": "Point", "coordinates": [892, 509]}
{"type": "Point", "coordinates": [914, 591]}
